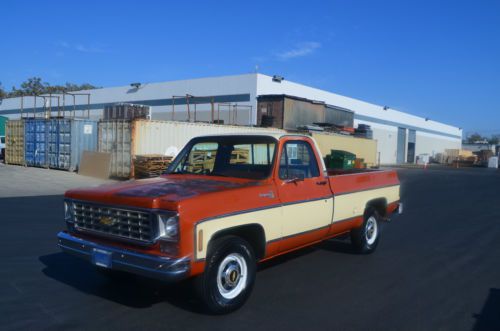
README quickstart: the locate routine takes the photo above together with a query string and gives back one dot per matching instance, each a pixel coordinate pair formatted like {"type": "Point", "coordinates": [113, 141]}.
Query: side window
{"type": "Point", "coordinates": [297, 161]}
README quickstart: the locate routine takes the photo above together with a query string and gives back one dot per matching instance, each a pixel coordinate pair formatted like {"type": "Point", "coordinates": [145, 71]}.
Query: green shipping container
{"type": "Point", "coordinates": [3, 120]}
{"type": "Point", "coordinates": [340, 160]}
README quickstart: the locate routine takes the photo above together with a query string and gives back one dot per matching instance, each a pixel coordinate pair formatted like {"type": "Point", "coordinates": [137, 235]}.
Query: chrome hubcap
{"type": "Point", "coordinates": [232, 276]}
{"type": "Point", "coordinates": [371, 230]}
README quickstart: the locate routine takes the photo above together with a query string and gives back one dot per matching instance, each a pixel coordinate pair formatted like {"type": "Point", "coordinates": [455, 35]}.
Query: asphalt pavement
{"type": "Point", "coordinates": [437, 267]}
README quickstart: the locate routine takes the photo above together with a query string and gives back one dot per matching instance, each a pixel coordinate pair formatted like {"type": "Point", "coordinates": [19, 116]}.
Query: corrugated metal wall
{"type": "Point", "coordinates": [115, 137]}
{"type": "Point", "coordinates": [14, 142]}
{"type": "Point", "coordinates": [35, 142]}
{"type": "Point", "coordinates": [124, 139]}
{"type": "Point", "coordinates": [299, 113]}
{"type": "Point", "coordinates": [67, 139]}
{"type": "Point", "coordinates": [339, 116]}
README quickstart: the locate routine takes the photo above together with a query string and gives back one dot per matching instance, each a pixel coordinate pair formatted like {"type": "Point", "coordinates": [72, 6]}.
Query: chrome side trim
{"type": "Point", "coordinates": [298, 234]}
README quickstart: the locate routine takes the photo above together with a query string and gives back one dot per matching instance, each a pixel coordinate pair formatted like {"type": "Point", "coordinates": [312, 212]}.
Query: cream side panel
{"type": "Point", "coordinates": [302, 217]}
{"type": "Point", "coordinates": [269, 219]}
{"type": "Point", "coordinates": [353, 204]}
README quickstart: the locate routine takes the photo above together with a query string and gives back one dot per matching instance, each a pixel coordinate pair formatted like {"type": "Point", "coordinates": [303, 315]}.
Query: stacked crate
{"type": "Point", "coordinates": [126, 111]}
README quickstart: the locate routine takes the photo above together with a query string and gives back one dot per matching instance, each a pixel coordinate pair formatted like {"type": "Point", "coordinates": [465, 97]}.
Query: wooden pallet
{"type": "Point", "coordinates": [151, 165]}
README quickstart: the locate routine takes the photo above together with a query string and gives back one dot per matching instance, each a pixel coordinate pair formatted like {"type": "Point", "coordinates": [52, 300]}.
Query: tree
{"type": "Point", "coordinates": [471, 139]}
{"type": "Point", "coordinates": [3, 94]}
{"type": "Point", "coordinates": [494, 140]}
{"type": "Point", "coordinates": [36, 86]}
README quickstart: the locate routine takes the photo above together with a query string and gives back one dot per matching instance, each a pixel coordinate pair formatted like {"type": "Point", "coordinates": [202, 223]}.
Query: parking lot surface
{"type": "Point", "coordinates": [437, 267]}
{"type": "Point", "coordinates": [19, 181]}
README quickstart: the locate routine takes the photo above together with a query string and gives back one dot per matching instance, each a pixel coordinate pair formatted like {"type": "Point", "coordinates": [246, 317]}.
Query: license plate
{"type": "Point", "coordinates": [101, 258]}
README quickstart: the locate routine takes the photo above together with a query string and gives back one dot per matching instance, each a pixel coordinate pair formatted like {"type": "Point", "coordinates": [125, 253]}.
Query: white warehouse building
{"type": "Point", "coordinates": [234, 100]}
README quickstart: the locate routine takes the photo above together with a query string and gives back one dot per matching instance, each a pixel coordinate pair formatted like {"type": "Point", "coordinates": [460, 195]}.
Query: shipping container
{"type": "Point", "coordinates": [288, 112]}
{"type": "Point", "coordinates": [3, 121]}
{"type": "Point", "coordinates": [67, 139]}
{"type": "Point", "coordinates": [339, 116]}
{"type": "Point", "coordinates": [14, 142]}
{"type": "Point", "coordinates": [115, 137]}
{"type": "Point", "coordinates": [125, 139]}
{"type": "Point", "coordinates": [35, 142]}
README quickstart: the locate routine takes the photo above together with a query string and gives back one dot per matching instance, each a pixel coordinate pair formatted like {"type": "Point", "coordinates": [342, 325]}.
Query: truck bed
{"type": "Point", "coordinates": [356, 180]}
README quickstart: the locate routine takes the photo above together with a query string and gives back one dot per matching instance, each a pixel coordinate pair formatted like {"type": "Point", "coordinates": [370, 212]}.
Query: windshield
{"type": "Point", "coordinates": [248, 157]}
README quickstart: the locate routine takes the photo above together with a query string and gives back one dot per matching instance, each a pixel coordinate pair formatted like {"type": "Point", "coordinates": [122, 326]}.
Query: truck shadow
{"type": "Point", "coordinates": [139, 292]}
{"type": "Point", "coordinates": [125, 289]}
{"type": "Point", "coordinates": [489, 318]}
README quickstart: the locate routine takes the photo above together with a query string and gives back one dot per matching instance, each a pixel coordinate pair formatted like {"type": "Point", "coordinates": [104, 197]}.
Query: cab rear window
{"type": "Point", "coordinates": [227, 156]}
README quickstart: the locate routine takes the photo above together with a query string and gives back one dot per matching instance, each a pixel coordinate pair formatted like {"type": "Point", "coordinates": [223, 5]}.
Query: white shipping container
{"type": "Point", "coordinates": [125, 139]}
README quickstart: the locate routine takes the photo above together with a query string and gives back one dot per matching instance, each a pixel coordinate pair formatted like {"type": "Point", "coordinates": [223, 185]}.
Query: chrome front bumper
{"type": "Point", "coordinates": [152, 266]}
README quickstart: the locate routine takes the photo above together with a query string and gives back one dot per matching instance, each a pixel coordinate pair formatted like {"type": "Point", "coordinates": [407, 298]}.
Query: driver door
{"type": "Point", "coordinates": [305, 195]}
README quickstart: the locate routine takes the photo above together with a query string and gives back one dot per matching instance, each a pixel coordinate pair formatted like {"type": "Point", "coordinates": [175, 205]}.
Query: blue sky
{"type": "Point", "coordinates": [438, 59]}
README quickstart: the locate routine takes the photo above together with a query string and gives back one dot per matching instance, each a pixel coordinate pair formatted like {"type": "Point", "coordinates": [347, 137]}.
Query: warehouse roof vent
{"type": "Point", "coordinates": [278, 79]}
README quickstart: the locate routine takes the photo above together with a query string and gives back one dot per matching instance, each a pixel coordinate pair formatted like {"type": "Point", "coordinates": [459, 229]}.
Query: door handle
{"type": "Point", "coordinates": [323, 182]}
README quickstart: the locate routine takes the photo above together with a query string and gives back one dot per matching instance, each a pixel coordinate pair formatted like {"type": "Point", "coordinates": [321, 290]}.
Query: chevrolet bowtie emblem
{"type": "Point", "coordinates": [107, 221]}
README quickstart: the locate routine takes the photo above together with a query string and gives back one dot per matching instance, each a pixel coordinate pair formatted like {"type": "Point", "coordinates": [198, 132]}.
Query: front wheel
{"type": "Point", "coordinates": [365, 238]}
{"type": "Point", "coordinates": [229, 275]}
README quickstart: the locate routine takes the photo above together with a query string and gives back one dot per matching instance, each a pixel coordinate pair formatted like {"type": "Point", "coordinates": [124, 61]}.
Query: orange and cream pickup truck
{"type": "Point", "coordinates": [225, 203]}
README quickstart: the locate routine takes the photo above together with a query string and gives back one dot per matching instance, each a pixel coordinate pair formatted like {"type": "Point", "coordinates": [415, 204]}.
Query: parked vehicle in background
{"type": "Point", "coordinates": [2, 147]}
{"type": "Point", "coordinates": [226, 203]}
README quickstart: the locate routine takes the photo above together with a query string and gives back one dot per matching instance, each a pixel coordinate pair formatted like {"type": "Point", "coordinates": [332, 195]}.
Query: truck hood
{"type": "Point", "coordinates": [156, 192]}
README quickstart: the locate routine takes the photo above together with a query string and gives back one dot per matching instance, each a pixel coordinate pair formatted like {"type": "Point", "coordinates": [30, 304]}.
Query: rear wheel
{"type": "Point", "coordinates": [365, 238]}
{"type": "Point", "coordinates": [229, 275]}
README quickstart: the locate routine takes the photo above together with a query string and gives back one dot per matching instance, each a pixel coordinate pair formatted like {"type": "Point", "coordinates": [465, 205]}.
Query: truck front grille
{"type": "Point", "coordinates": [129, 225]}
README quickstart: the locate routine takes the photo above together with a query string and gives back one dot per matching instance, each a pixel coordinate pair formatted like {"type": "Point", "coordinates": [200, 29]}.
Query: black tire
{"type": "Point", "coordinates": [221, 251]}
{"type": "Point", "coordinates": [360, 237]}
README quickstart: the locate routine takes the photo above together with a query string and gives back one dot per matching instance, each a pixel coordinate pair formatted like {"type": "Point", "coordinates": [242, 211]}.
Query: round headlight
{"type": "Point", "coordinates": [170, 226]}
